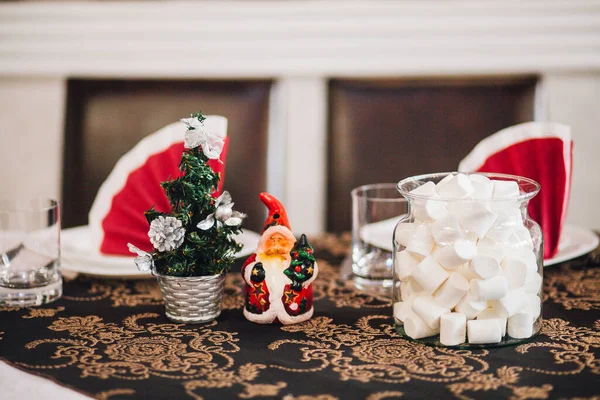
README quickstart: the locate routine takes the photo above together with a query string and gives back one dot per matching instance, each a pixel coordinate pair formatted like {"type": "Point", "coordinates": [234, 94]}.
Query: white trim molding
{"type": "Point", "coordinates": [222, 39]}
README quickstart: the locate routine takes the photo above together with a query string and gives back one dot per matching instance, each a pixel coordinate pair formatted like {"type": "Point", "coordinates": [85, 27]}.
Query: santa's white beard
{"type": "Point", "coordinates": [276, 280]}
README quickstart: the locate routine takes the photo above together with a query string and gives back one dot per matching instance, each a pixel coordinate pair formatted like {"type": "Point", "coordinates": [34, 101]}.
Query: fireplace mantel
{"type": "Point", "coordinates": [299, 44]}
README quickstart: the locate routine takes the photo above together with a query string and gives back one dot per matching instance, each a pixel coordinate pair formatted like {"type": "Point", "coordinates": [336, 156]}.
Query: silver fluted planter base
{"type": "Point", "coordinates": [192, 300]}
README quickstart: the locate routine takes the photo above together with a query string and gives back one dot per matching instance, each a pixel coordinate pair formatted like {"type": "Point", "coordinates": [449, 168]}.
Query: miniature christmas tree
{"type": "Point", "coordinates": [301, 268]}
{"type": "Point", "coordinates": [196, 237]}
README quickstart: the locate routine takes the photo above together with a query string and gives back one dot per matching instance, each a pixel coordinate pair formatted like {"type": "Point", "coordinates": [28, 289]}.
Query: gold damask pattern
{"type": "Point", "coordinates": [390, 394]}
{"type": "Point", "coordinates": [572, 347]}
{"type": "Point", "coordinates": [373, 352]}
{"type": "Point", "coordinates": [342, 292]}
{"type": "Point", "coordinates": [43, 312]}
{"type": "Point", "coordinates": [107, 394]}
{"type": "Point", "coordinates": [310, 397]}
{"type": "Point", "coordinates": [370, 352]}
{"type": "Point", "coordinates": [146, 292]}
{"type": "Point", "coordinates": [573, 288]}
{"type": "Point", "coordinates": [33, 312]}
{"type": "Point", "coordinates": [245, 374]}
{"type": "Point", "coordinates": [99, 331]}
{"type": "Point", "coordinates": [334, 244]}
{"type": "Point", "coordinates": [134, 350]}
{"type": "Point", "coordinates": [122, 294]}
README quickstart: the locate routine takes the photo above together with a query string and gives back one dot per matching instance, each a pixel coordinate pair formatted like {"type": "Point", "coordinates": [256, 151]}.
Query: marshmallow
{"type": "Point", "coordinates": [490, 289]}
{"type": "Point", "coordinates": [521, 239]}
{"type": "Point", "coordinates": [472, 237]}
{"type": "Point", "coordinates": [505, 189]}
{"type": "Point", "coordinates": [409, 289]}
{"type": "Point", "coordinates": [466, 272]}
{"type": "Point", "coordinates": [479, 221]}
{"type": "Point", "coordinates": [456, 254]}
{"type": "Point", "coordinates": [507, 222]}
{"type": "Point", "coordinates": [520, 261]}
{"type": "Point", "coordinates": [459, 209]}
{"type": "Point", "coordinates": [533, 282]}
{"type": "Point", "coordinates": [528, 258]}
{"type": "Point", "coordinates": [491, 248]}
{"type": "Point", "coordinates": [429, 274]}
{"type": "Point", "coordinates": [515, 272]}
{"type": "Point", "coordinates": [416, 328]}
{"type": "Point", "coordinates": [535, 305]}
{"type": "Point", "coordinates": [445, 180]}
{"type": "Point", "coordinates": [403, 233]}
{"type": "Point", "coordinates": [430, 210]}
{"type": "Point", "coordinates": [496, 314]}
{"type": "Point", "coordinates": [484, 267]}
{"type": "Point", "coordinates": [426, 309]}
{"type": "Point", "coordinates": [514, 301]}
{"type": "Point", "coordinates": [518, 267]}
{"type": "Point", "coordinates": [402, 310]}
{"type": "Point", "coordinates": [404, 264]}
{"type": "Point", "coordinates": [450, 293]}
{"type": "Point", "coordinates": [470, 306]}
{"type": "Point", "coordinates": [436, 209]}
{"type": "Point", "coordinates": [421, 242]}
{"type": "Point", "coordinates": [458, 187]}
{"type": "Point", "coordinates": [484, 331]}
{"type": "Point", "coordinates": [484, 188]}
{"type": "Point", "coordinates": [428, 189]}
{"type": "Point", "coordinates": [446, 231]}
{"type": "Point", "coordinates": [453, 329]}
{"type": "Point", "coordinates": [520, 325]}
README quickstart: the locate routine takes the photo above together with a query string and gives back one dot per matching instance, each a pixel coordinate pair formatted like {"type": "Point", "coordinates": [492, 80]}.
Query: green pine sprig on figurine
{"type": "Point", "coordinates": [302, 265]}
{"type": "Point", "coordinates": [196, 237]}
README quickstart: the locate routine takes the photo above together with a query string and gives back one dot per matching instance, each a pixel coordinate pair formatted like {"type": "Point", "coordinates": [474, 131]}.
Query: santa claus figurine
{"type": "Point", "coordinates": [279, 275]}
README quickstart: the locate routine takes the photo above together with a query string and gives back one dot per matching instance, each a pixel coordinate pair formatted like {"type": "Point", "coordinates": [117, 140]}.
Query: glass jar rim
{"type": "Point", "coordinates": [531, 186]}
{"type": "Point", "coordinates": [361, 192]}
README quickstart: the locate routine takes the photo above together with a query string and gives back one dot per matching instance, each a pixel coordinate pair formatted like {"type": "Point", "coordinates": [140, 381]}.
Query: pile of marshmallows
{"type": "Point", "coordinates": [468, 270]}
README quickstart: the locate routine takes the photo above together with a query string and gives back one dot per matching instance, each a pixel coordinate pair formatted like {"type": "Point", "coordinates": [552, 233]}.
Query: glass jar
{"type": "Point", "coordinates": [468, 261]}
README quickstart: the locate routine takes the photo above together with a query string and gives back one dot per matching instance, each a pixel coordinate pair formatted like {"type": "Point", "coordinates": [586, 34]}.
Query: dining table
{"type": "Point", "coordinates": [109, 338]}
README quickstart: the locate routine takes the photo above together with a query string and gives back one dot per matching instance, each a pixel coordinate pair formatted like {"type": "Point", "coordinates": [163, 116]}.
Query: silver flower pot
{"type": "Point", "coordinates": [192, 300]}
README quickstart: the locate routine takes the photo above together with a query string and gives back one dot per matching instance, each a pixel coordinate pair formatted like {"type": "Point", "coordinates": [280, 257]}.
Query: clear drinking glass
{"type": "Point", "coordinates": [435, 246]}
{"type": "Point", "coordinates": [376, 209]}
{"type": "Point", "coordinates": [29, 252]}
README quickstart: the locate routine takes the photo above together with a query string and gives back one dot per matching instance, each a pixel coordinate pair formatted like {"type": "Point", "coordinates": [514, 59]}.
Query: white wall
{"type": "Point", "coordinates": [31, 136]}
{"type": "Point", "coordinates": [574, 99]}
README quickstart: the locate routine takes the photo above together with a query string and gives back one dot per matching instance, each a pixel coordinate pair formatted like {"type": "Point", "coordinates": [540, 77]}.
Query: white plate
{"type": "Point", "coordinates": [574, 241]}
{"type": "Point", "coordinates": [379, 234]}
{"type": "Point", "coordinates": [77, 254]}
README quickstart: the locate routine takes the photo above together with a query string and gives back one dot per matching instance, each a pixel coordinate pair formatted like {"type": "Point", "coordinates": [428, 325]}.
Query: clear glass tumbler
{"type": "Point", "coordinates": [29, 252]}
{"type": "Point", "coordinates": [376, 209]}
{"type": "Point", "coordinates": [468, 261]}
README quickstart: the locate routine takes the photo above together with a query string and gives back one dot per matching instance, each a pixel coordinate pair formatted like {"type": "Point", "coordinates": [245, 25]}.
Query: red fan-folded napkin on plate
{"type": "Point", "coordinates": [541, 151]}
{"type": "Point", "coordinates": [133, 186]}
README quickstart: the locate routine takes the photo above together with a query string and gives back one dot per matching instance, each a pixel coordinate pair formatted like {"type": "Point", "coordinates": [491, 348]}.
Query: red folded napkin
{"type": "Point", "coordinates": [133, 186]}
{"type": "Point", "coordinates": [541, 151]}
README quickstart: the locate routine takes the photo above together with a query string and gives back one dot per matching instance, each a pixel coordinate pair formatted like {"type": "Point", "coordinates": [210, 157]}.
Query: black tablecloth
{"type": "Point", "coordinates": [110, 338]}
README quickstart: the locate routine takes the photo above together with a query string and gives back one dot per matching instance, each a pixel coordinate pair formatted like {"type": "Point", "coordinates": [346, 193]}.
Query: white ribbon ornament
{"type": "Point", "coordinates": [224, 214]}
{"type": "Point", "coordinates": [211, 143]}
{"type": "Point", "coordinates": [143, 261]}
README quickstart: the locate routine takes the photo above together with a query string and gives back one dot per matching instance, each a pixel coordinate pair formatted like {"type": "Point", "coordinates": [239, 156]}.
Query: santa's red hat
{"type": "Point", "coordinates": [277, 214]}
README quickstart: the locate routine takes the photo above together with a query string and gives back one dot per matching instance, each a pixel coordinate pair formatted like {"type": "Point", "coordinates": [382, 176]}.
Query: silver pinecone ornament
{"type": "Point", "coordinates": [166, 233]}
